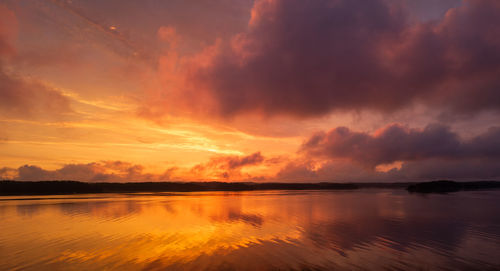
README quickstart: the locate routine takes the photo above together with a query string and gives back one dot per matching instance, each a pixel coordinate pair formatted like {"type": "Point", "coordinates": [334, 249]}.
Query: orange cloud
{"type": "Point", "coordinates": [227, 167]}
{"type": "Point", "coordinates": [219, 167]}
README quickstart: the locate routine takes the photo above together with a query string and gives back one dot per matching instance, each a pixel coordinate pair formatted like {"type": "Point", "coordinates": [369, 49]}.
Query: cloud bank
{"type": "Point", "coordinates": [218, 167]}
{"type": "Point", "coordinates": [434, 152]}
{"type": "Point", "coordinates": [309, 58]}
{"type": "Point", "coordinates": [104, 171]}
{"type": "Point", "coordinates": [397, 143]}
{"type": "Point", "coordinates": [339, 155]}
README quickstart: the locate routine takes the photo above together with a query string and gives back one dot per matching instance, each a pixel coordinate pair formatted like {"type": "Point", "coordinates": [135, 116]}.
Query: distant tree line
{"type": "Point", "coordinates": [9, 187]}
{"type": "Point", "coordinates": [74, 187]}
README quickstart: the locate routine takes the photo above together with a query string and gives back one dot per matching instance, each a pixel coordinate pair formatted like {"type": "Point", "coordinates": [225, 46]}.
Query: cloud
{"type": "Point", "coordinates": [297, 171]}
{"type": "Point", "coordinates": [227, 166]}
{"type": "Point", "coordinates": [397, 143]}
{"type": "Point", "coordinates": [238, 162]}
{"type": "Point", "coordinates": [232, 161]}
{"type": "Point", "coordinates": [30, 99]}
{"type": "Point", "coordinates": [302, 169]}
{"type": "Point", "coordinates": [468, 169]}
{"type": "Point", "coordinates": [7, 173]}
{"type": "Point", "coordinates": [310, 58]}
{"type": "Point", "coordinates": [334, 171]}
{"type": "Point", "coordinates": [8, 30]}
{"type": "Point", "coordinates": [219, 167]}
{"type": "Point", "coordinates": [429, 9]}
{"type": "Point", "coordinates": [464, 169]}
{"type": "Point", "coordinates": [24, 98]}
{"type": "Point", "coordinates": [393, 154]}
{"type": "Point", "coordinates": [92, 172]}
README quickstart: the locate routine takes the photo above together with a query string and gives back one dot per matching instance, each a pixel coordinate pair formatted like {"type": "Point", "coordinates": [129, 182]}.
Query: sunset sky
{"type": "Point", "coordinates": [242, 90]}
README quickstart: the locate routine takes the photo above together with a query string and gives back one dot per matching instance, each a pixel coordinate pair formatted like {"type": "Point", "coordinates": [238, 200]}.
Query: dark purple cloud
{"type": "Point", "coordinates": [397, 143]}
{"type": "Point", "coordinates": [334, 171]}
{"type": "Point", "coordinates": [462, 169]}
{"type": "Point", "coordinates": [237, 162]}
{"type": "Point", "coordinates": [429, 9]}
{"type": "Point", "coordinates": [308, 58]}
{"type": "Point", "coordinates": [468, 169]}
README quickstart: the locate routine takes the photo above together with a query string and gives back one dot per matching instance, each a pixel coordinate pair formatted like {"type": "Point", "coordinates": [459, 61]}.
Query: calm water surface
{"type": "Point", "coordinates": [279, 230]}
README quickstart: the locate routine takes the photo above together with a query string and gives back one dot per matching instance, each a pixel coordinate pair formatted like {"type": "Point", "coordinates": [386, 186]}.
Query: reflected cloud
{"type": "Point", "coordinates": [235, 216]}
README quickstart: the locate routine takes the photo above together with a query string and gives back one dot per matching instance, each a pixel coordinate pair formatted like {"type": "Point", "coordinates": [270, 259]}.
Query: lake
{"type": "Point", "coordinates": [367, 229]}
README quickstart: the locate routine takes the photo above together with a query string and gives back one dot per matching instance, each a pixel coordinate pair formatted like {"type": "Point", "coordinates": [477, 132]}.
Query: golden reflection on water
{"type": "Point", "coordinates": [368, 229]}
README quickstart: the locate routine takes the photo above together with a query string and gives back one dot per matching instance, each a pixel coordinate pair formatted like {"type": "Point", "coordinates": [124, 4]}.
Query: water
{"type": "Point", "coordinates": [277, 230]}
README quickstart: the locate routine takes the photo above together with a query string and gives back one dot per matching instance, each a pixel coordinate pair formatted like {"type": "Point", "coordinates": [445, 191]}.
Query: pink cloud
{"type": "Point", "coordinates": [311, 58]}
{"type": "Point", "coordinates": [24, 98]}
{"type": "Point", "coordinates": [8, 31]}
{"type": "Point", "coordinates": [103, 171]}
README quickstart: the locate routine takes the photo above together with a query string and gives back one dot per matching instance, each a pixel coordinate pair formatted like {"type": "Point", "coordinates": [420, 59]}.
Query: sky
{"type": "Point", "coordinates": [264, 90]}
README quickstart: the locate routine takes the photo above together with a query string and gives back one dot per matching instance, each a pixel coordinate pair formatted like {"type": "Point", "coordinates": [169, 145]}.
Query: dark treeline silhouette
{"type": "Point", "coordinates": [73, 187]}
{"type": "Point", "coordinates": [445, 186]}
{"type": "Point", "coordinates": [8, 187]}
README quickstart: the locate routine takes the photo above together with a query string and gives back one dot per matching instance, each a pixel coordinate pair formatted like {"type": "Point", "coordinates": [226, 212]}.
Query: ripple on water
{"type": "Point", "coordinates": [261, 230]}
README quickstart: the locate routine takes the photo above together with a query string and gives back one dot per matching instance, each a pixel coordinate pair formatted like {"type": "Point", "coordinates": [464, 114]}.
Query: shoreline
{"type": "Point", "coordinates": [62, 187]}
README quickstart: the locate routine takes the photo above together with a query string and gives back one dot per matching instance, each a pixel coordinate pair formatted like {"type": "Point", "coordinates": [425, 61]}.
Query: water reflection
{"type": "Point", "coordinates": [366, 229]}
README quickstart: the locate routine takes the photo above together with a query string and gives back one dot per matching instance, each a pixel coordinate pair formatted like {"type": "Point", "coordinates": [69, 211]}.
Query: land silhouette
{"type": "Point", "coordinates": [10, 187]}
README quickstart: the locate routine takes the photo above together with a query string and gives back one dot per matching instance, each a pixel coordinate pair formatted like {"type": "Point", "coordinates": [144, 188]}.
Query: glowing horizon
{"type": "Point", "coordinates": [249, 90]}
